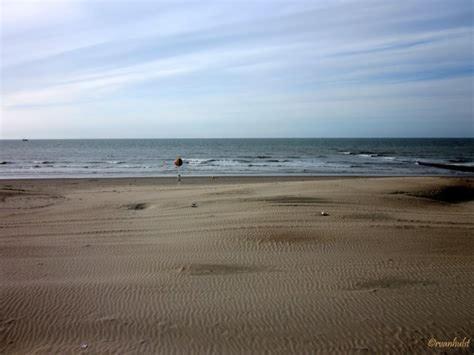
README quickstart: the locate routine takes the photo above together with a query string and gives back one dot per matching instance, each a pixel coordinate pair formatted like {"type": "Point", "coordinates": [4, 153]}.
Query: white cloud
{"type": "Point", "coordinates": [220, 61]}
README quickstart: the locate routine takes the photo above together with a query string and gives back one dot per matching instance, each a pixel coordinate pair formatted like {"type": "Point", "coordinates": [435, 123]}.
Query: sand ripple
{"type": "Point", "coordinates": [141, 272]}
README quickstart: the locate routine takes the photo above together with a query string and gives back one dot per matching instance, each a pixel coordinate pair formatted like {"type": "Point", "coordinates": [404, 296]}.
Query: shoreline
{"type": "Point", "coordinates": [232, 178]}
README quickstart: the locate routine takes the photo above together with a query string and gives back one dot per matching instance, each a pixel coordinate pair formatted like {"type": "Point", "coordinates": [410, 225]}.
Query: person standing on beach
{"type": "Point", "coordinates": [178, 162]}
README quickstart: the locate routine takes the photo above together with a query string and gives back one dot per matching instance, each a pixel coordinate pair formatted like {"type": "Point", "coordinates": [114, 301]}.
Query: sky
{"type": "Point", "coordinates": [208, 69]}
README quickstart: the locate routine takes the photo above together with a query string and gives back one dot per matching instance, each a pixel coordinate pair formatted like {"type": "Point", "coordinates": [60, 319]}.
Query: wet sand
{"type": "Point", "coordinates": [235, 265]}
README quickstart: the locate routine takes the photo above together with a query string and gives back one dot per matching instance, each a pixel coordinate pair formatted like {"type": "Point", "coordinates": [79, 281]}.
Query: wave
{"type": "Point", "coordinates": [459, 160]}
{"type": "Point", "coordinates": [198, 161]}
{"type": "Point", "coordinates": [253, 156]}
{"type": "Point", "coordinates": [368, 153]}
{"type": "Point", "coordinates": [43, 162]}
{"type": "Point", "coordinates": [216, 161]}
{"type": "Point", "coordinates": [240, 161]}
{"type": "Point", "coordinates": [334, 163]}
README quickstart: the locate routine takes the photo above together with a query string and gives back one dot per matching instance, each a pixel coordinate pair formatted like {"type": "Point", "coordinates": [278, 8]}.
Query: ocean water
{"type": "Point", "coordinates": [216, 157]}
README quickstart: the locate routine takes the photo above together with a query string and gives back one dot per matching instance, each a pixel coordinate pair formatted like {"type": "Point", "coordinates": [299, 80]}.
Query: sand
{"type": "Point", "coordinates": [102, 266]}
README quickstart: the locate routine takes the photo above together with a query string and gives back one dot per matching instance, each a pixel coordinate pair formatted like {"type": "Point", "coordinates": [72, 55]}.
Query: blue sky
{"type": "Point", "coordinates": [152, 69]}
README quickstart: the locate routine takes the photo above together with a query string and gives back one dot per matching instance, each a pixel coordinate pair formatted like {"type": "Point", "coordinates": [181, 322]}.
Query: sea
{"type": "Point", "coordinates": [221, 157]}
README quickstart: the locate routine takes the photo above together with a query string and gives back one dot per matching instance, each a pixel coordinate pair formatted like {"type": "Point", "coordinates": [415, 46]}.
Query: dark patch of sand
{"type": "Point", "coordinates": [284, 237]}
{"type": "Point", "coordinates": [368, 216]}
{"type": "Point", "coordinates": [290, 200]}
{"type": "Point", "coordinates": [389, 283]}
{"type": "Point", "coordinates": [215, 269]}
{"type": "Point", "coordinates": [449, 194]}
{"type": "Point", "coordinates": [12, 198]}
{"type": "Point", "coordinates": [137, 206]}
{"type": "Point", "coordinates": [452, 193]}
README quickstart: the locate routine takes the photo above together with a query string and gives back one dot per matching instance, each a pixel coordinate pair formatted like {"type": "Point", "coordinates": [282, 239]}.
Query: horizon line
{"type": "Point", "coordinates": [183, 138]}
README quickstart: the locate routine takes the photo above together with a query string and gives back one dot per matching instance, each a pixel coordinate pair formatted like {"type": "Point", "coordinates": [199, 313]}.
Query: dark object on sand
{"type": "Point", "coordinates": [457, 167]}
{"type": "Point", "coordinates": [178, 162]}
{"type": "Point", "coordinates": [25, 140]}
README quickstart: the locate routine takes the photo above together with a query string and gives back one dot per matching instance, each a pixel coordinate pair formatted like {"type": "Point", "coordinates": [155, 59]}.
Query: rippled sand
{"type": "Point", "coordinates": [235, 265]}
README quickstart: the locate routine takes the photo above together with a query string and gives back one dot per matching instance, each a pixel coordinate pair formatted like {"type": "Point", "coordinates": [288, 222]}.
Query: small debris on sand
{"type": "Point", "coordinates": [324, 213]}
{"type": "Point", "coordinates": [194, 204]}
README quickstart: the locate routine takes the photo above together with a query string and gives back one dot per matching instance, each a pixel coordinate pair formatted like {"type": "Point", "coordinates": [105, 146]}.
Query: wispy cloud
{"type": "Point", "coordinates": [213, 63]}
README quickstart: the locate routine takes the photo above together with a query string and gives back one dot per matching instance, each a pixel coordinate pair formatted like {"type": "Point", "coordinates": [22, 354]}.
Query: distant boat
{"type": "Point", "coordinates": [25, 140]}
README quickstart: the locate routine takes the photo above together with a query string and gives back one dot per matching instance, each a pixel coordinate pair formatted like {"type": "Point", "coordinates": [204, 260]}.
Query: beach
{"type": "Point", "coordinates": [236, 265]}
